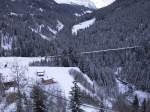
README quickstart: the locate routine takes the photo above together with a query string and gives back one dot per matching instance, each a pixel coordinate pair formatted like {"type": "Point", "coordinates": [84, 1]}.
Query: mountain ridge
{"type": "Point", "coordinates": [86, 3]}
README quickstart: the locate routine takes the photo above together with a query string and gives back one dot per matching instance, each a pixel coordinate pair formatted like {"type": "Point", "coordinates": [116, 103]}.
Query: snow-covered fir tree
{"type": "Point", "coordinates": [75, 99]}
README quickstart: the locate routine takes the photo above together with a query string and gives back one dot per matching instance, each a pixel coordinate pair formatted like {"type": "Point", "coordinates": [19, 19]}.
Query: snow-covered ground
{"type": "Point", "coordinates": [125, 87]}
{"type": "Point", "coordinates": [6, 41]}
{"type": "Point", "coordinates": [52, 30]}
{"type": "Point", "coordinates": [122, 87]}
{"type": "Point", "coordinates": [20, 60]}
{"type": "Point", "coordinates": [14, 14]}
{"type": "Point", "coordinates": [38, 31]}
{"type": "Point", "coordinates": [83, 13]}
{"type": "Point", "coordinates": [103, 3]}
{"type": "Point", "coordinates": [89, 108]}
{"type": "Point", "coordinates": [86, 3]}
{"type": "Point", "coordinates": [10, 108]}
{"type": "Point", "coordinates": [82, 25]}
{"type": "Point", "coordinates": [141, 96]}
{"type": "Point", "coordinates": [59, 26]}
{"type": "Point", "coordinates": [59, 74]}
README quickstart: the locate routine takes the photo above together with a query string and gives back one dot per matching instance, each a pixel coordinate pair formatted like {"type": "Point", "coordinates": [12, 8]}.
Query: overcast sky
{"type": "Point", "coordinates": [102, 3]}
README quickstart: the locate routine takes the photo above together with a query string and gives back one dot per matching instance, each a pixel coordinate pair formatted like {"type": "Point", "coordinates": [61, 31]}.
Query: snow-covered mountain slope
{"type": "Point", "coordinates": [115, 26]}
{"type": "Point", "coordinates": [86, 3]}
{"type": "Point", "coordinates": [6, 42]}
{"type": "Point", "coordinates": [127, 89]}
{"type": "Point", "coordinates": [44, 19]}
{"type": "Point", "coordinates": [82, 25]}
{"type": "Point", "coordinates": [103, 3]}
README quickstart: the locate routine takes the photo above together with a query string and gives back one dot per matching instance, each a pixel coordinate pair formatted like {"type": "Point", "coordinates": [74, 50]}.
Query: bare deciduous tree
{"type": "Point", "coordinates": [19, 77]}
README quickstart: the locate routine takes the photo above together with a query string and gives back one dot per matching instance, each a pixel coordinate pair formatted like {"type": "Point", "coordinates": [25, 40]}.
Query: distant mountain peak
{"type": "Point", "coordinates": [86, 3]}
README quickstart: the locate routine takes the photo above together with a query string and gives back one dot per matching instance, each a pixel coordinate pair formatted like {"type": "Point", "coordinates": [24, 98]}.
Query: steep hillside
{"type": "Point", "coordinates": [65, 34]}
{"type": "Point", "coordinates": [27, 27]}
{"type": "Point", "coordinates": [123, 24]}
{"type": "Point", "coordinates": [30, 29]}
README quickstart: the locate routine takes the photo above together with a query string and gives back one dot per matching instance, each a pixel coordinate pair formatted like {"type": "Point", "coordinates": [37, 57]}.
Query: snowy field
{"type": "Point", "coordinates": [60, 75]}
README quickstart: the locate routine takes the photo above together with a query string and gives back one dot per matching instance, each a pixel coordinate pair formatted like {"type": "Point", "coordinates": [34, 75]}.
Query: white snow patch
{"type": "Point", "coordinates": [88, 11]}
{"type": "Point", "coordinates": [38, 30]}
{"type": "Point", "coordinates": [121, 87]}
{"type": "Point", "coordinates": [59, 26]}
{"type": "Point", "coordinates": [40, 9]}
{"type": "Point", "coordinates": [82, 25]}
{"type": "Point", "coordinates": [23, 61]}
{"type": "Point", "coordinates": [82, 88]}
{"type": "Point", "coordinates": [90, 89]}
{"type": "Point", "coordinates": [103, 3]}
{"type": "Point", "coordinates": [86, 3]}
{"type": "Point", "coordinates": [78, 15]}
{"type": "Point", "coordinates": [11, 108]}
{"type": "Point", "coordinates": [108, 103]}
{"type": "Point", "coordinates": [88, 79]}
{"type": "Point", "coordinates": [52, 30]}
{"type": "Point", "coordinates": [6, 42]}
{"type": "Point", "coordinates": [81, 14]}
{"type": "Point", "coordinates": [118, 70]}
{"type": "Point", "coordinates": [14, 14]}
{"type": "Point", "coordinates": [40, 27]}
{"type": "Point", "coordinates": [44, 37]}
{"type": "Point", "coordinates": [89, 108]}
{"type": "Point", "coordinates": [142, 95]}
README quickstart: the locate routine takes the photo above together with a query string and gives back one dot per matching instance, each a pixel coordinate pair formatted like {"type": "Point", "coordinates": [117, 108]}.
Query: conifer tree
{"type": "Point", "coordinates": [144, 106]}
{"type": "Point", "coordinates": [38, 99]}
{"type": "Point", "coordinates": [135, 104]}
{"type": "Point", "coordinates": [75, 102]}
